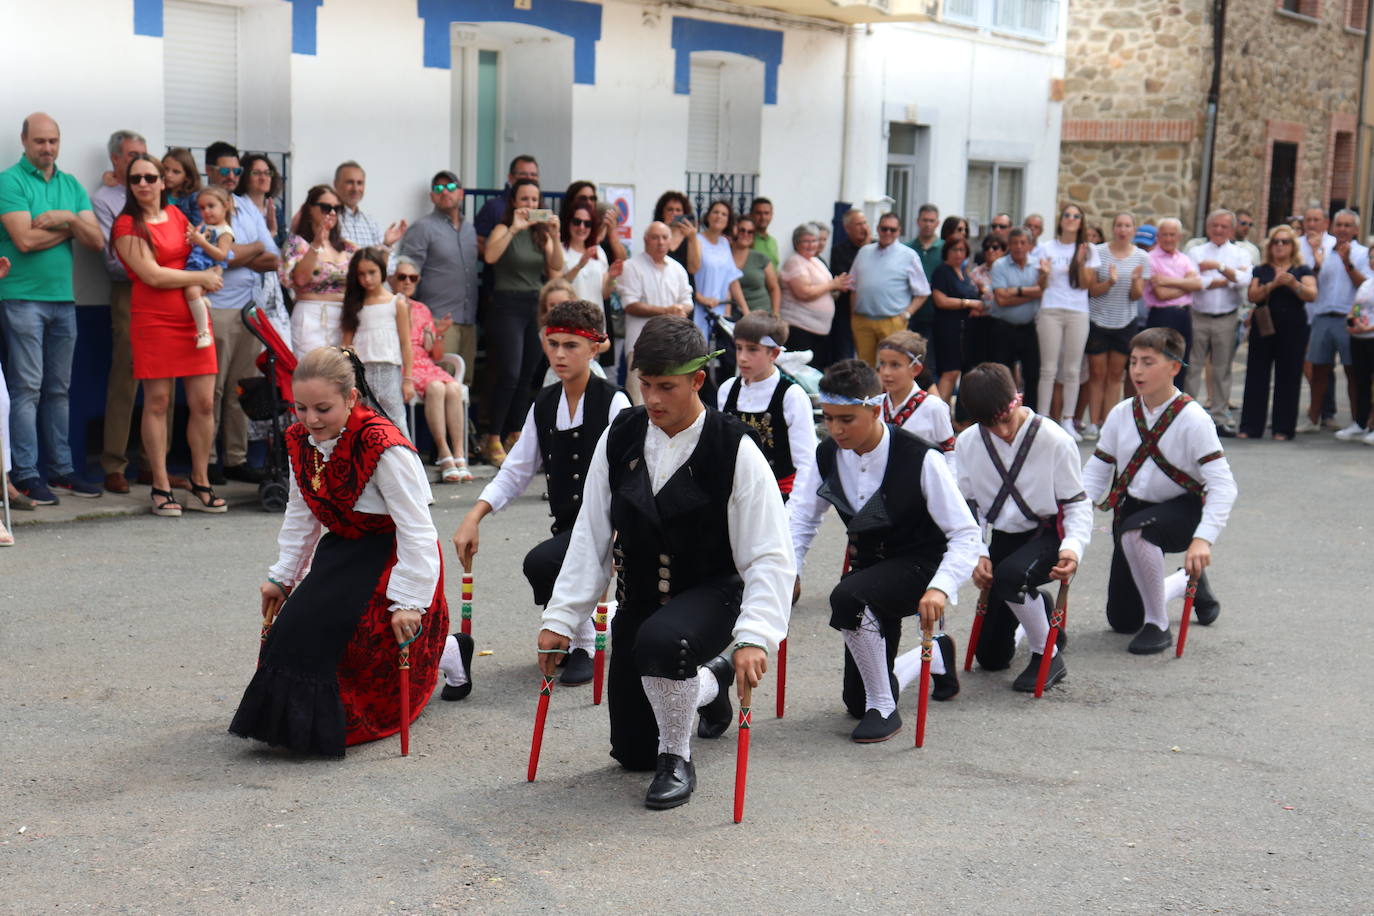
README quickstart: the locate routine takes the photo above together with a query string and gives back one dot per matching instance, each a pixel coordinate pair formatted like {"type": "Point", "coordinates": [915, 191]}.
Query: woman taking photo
{"type": "Point", "coordinates": [758, 280]}
{"type": "Point", "coordinates": [151, 238]}
{"type": "Point", "coordinates": [1062, 323]}
{"type": "Point", "coordinates": [808, 297]}
{"type": "Point", "coordinates": [1280, 287]}
{"type": "Point", "coordinates": [957, 297]}
{"type": "Point", "coordinates": [716, 283]}
{"type": "Point", "coordinates": [675, 210]}
{"type": "Point", "coordinates": [522, 255]}
{"type": "Point", "coordinates": [1113, 317]}
{"type": "Point", "coordinates": [315, 268]}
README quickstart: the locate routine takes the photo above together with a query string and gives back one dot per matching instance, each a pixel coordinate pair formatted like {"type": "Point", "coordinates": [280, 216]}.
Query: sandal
{"type": "Point", "coordinates": [461, 474]}
{"type": "Point", "coordinates": [449, 470]}
{"type": "Point", "coordinates": [200, 503]}
{"type": "Point", "coordinates": [495, 454]}
{"type": "Point", "coordinates": [164, 504]}
{"type": "Point", "coordinates": [6, 539]}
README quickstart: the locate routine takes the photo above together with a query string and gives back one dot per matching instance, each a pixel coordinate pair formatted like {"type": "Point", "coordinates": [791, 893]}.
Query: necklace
{"type": "Point", "coordinates": [317, 463]}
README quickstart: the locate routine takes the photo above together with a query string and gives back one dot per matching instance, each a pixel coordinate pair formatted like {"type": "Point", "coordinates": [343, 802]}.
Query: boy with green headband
{"type": "Point", "coordinates": [684, 501]}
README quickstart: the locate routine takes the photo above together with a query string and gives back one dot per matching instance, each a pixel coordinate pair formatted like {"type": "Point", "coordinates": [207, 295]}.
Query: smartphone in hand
{"type": "Point", "coordinates": [540, 216]}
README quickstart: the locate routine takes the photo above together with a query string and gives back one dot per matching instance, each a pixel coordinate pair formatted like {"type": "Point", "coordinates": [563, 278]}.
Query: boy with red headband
{"type": "Point", "coordinates": [774, 406]}
{"type": "Point", "coordinates": [560, 431]}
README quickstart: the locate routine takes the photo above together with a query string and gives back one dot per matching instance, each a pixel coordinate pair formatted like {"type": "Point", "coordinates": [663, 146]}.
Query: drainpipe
{"type": "Point", "coordinates": [1209, 135]}
{"type": "Point", "coordinates": [851, 43]}
{"type": "Point", "coordinates": [1363, 173]}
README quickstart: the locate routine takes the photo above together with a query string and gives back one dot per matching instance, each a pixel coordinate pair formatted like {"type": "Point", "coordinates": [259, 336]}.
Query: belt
{"type": "Point", "coordinates": [1215, 314]}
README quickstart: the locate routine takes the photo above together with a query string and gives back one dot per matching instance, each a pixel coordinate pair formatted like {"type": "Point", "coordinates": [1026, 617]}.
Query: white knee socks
{"type": "Point", "coordinates": [451, 663]}
{"type": "Point", "coordinates": [869, 649]}
{"type": "Point", "coordinates": [907, 666]}
{"type": "Point", "coordinates": [1031, 613]}
{"type": "Point", "coordinates": [1176, 585]}
{"type": "Point", "coordinates": [708, 688]}
{"type": "Point", "coordinates": [584, 637]}
{"type": "Point", "coordinates": [675, 705]}
{"type": "Point", "coordinates": [1147, 569]}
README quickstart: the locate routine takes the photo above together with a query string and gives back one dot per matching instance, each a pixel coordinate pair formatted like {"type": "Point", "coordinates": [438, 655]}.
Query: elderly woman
{"type": "Point", "coordinates": [441, 393]}
{"type": "Point", "coordinates": [758, 280]}
{"type": "Point", "coordinates": [1281, 286]}
{"type": "Point", "coordinates": [151, 238]}
{"type": "Point", "coordinates": [808, 291]}
{"type": "Point", "coordinates": [314, 268]}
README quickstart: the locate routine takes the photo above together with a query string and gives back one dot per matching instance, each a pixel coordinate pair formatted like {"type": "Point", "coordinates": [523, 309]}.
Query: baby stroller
{"type": "Point", "coordinates": [264, 398]}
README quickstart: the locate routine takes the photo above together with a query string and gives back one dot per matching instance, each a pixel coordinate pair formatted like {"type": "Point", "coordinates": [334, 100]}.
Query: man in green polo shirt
{"type": "Point", "coordinates": [929, 248]}
{"type": "Point", "coordinates": [761, 212]}
{"type": "Point", "coordinates": [42, 210]}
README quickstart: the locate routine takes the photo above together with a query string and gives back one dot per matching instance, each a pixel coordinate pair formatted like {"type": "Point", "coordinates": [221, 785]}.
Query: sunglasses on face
{"type": "Point", "coordinates": [1001, 225]}
{"type": "Point", "coordinates": [149, 177]}
{"type": "Point", "coordinates": [327, 209]}
{"type": "Point", "coordinates": [260, 173]}
{"type": "Point", "coordinates": [586, 223]}
{"type": "Point", "coordinates": [586, 198]}
{"type": "Point", "coordinates": [236, 171]}
{"type": "Point", "coordinates": [441, 188]}
{"type": "Point", "coordinates": [1246, 224]}
{"type": "Point", "coordinates": [407, 278]}
{"type": "Point", "coordinates": [1281, 242]}
{"type": "Point", "coordinates": [744, 232]}
{"type": "Point", "coordinates": [887, 228]}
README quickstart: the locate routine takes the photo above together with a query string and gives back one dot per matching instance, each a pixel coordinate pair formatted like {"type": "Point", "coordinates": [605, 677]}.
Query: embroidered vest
{"type": "Point", "coordinates": [567, 453]}
{"type": "Point", "coordinates": [770, 426]}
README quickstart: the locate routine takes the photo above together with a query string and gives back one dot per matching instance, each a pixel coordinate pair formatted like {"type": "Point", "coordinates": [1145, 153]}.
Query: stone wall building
{"type": "Point", "coordinates": [1137, 79]}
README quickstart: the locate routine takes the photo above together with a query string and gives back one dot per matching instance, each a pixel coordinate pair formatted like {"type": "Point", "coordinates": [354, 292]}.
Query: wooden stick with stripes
{"type": "Point", "coordinates": [467, 603]}
{"type": "Point", "coordinates": [973, 635]}
{"type": "Point", "coordinates": [746, 722]}
{"type": "Point", "coordinates": [1188, 597]}
{"type": "Point", "coordinates": [599, 658]}
{"type": "Point", "coordinates": [923, 693]}
{"type": "Point", "coordinates": [1057, 618]}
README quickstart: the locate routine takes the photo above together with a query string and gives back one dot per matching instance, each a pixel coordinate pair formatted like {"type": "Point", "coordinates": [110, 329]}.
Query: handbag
{"type": "Point", "coordinates": [1263, 320]}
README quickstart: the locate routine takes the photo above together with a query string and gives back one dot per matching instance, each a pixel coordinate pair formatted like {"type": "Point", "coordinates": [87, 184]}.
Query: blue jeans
{"type": "Point", "coordinates": [40, 338]}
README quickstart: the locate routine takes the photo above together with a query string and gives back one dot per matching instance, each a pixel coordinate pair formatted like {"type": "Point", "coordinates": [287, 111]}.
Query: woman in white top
{"type": "Point", "coordinates": [378, 330]}
{"type": "Point", "coordinates": [584, 263]}
{"type": "Point", "coordinates": [716, 281]}
{"type": "Point", "coordinates": [1062, 323]}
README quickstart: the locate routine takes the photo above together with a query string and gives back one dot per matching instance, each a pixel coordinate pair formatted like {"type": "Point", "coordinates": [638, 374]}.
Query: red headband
{"type": "Point", "coordinates": [593, 336]}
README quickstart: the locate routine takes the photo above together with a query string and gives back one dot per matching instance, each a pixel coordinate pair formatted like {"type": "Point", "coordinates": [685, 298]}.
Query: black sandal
{"type": "Point", "coordinates": [200, 503]}
{"type": "Point", "coordinates": [164, 504]}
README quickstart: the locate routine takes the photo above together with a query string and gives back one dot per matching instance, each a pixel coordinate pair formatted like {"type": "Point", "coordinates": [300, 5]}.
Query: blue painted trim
{"type": "Point", "coordinates": [700, 35]}
{"type": "Point", "coordinates": [303, 25]}
{"type": "Point", "coordinates": [148, 18]}
{"type": "Point", "coordinates": [580, 21]}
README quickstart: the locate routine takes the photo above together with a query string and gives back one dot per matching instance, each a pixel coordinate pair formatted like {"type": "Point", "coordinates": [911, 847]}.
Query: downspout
{"type": "Point", "coordinates": [1362, 168]}
{"type": "Point", "coordinates": [1209, 135]}
{"type": "Point", "coordinates": [850, 46]}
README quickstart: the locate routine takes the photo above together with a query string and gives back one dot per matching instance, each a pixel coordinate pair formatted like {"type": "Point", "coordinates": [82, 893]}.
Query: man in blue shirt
{"type": "Point", "coordinates": [889, 286]}
{"type": "Point", "coordinates": [1017, 285]}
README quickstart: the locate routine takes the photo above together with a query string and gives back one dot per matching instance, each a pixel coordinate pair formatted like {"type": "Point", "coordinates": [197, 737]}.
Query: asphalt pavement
{"type": "Point", "coordinates": [1235, 780]}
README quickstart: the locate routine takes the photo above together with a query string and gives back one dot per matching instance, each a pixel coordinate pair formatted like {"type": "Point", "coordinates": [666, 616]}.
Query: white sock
{"type": "Point", "coordinates": [674, 705]}
{"type": "Point", "coordinates": [1175, 585]}
{"type": "Point", "coordinates": [1147, 569]}
{"type": "Point", "coordinates": [907, 666]}
{"type": "Point", "coordinates": [451, 663]}
{"type": "Point", "coordinates": [708, 688]}
{"type": "Point", "coordinates": [868, 647]}
{"type": "Point", "coordinates": [584, 637]}
{"type": "Point", "coordinates": [1031, 613]}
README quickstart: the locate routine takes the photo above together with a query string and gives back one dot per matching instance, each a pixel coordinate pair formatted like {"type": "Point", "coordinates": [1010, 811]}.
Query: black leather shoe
{"type": "Point", "coordinates": [877, 727]}
{"type": "Point", "coordinates": [1150, 640]}
{"type": "Point", "coordinates": [674, 780]}
{"type": "Point", "coordinates": [465, 646]}
{"type": "Point", "coordinates": [1205, 604]}
{"type": "Point", "coordinates": [1025, 681]}
{"type": "Point", "coordinates": [245, 473]}
{"type": "Point", "coordinates": [717, 714]}
{"type": "Point", "coordinates": [217, 478]}
{"type": "Point", "coordinates": [945, 686]}
{"type": "Point", "coordinates": [578, 670]}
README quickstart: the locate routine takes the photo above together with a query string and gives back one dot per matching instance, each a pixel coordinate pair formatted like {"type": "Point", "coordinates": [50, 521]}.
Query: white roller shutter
{"type": "Point", "coordinates": [703, 117]}
{"type": "Point", "coordinates": [200, 44]}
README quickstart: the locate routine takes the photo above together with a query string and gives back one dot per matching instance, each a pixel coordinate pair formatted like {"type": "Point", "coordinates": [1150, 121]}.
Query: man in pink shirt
{"type": "Point", "coordinates": [1169, 291]}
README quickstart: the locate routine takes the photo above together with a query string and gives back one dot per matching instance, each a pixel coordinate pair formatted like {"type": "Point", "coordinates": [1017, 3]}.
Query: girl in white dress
{"type": "Point", "coordinates": [377, 326]}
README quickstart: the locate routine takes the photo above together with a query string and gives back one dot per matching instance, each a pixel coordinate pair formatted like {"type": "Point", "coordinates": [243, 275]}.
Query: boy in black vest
{"type": "Point", "coordinates": [1020, 475]}
{"type": "Point", "coordinates": [1161, 468]}
{"type": "Point", "coordinates": [561, 429]}
{"type": "Point", "coordinates": [684, 499]}
{"type": "Point", "coordinates": [774, 406]}
{"type": "Point", "coordinates": [912, 541]}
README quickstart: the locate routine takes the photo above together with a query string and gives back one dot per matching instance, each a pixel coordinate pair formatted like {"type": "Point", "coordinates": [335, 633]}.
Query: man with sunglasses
{"type": "Point", "coordinates": [255, 253]}
{"type": "Point", "coordinates": [1244, 220]}
{"type": "Point", "coordinates": [1000, 226]}
{"type": "Point", "coordinates": [443, 246]}
{"type": "Point", "coordinates": [889, 287]}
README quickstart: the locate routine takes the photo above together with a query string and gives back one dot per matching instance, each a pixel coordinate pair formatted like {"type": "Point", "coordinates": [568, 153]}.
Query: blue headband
{"type": "Point", "coordinates": [844, 400]}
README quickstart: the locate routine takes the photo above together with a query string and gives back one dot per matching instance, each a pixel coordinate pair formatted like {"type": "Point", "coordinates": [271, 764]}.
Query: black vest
{"type": "Point", "coordinates": [568, 452]}
{"type": "Point", "coordinates": [770, 426]}
{"type": "Point", "coordinates": [679, 538]}
{"type": "Point", "coordinates": [895, 521]}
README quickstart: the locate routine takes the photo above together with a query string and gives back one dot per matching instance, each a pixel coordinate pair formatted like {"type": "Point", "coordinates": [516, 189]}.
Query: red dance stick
{"type": "Point", "coordinates": [782, 675]}
{"type": "Point", "coordinates": [977, 629]}
{"type": "Point", "coordinates": [467, 603]}
{"type": "Point", "coordinates": [1188, 597]}
{"type": "Point", "coordinates": [599, 658]}
{"type": "Point", "coordinates": [1061, 611]}
{"type": "Point", "coordinates": [923, 697]}
{"type": "Point", "coordinates": [405, 701]}
{"type": "Point", "coordinates": [545, 691]}
{"type": "Point", "coordinates": [742, 752]}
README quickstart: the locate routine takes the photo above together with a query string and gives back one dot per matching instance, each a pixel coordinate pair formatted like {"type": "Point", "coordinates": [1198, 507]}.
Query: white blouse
{"type": "Point", "coordinates": [378, 339]}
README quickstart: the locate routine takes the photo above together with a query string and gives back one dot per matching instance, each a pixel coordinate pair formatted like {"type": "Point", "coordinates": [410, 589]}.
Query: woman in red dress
{"type": "Point", "coordinates": [150, 238]}
{"type": "Point", "coordinates": [328, 674]}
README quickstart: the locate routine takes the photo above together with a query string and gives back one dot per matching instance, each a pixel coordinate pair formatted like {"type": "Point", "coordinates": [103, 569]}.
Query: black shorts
{"type": "Point", "coordinates": [1111, 340]}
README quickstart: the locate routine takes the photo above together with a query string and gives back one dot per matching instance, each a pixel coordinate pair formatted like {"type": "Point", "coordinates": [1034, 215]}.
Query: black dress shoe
{"type": "Point", "coordinates": [216, 473]}
{"type": "Point", "coordinates": [1025, 681]}
{"type": "Point", "coordinates": [465, 646]}
{"type": "Point", "coordinates": [717, 714]}
{"type": "Point", "coordinates": [1205, 604]}
{"type": "Point", "coordinates": [245, 473]}
{"type": "Point", "coordinates": [578, 670]}
{"type": "Point", "coordinates": [945, 686]}
{"type": "Point", "coordinates": [674, 780]}
{"type": "Point", "coordinates": [875, 727]}
{"type": "Point", "coordinates": [1150, 640]}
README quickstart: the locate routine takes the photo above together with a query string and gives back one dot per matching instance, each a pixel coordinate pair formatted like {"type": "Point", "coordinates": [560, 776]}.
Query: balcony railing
{"type": "Point", "coordinates": [1037, 19]}
{"type": "Point", "coordinates": [740, 188]}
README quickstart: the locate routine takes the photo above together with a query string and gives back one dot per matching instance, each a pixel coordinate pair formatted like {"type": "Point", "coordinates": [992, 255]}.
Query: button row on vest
{"type": "Point", "coordinates": [664, 573]}
{"type": "Point", "coordinates": [665, 560]}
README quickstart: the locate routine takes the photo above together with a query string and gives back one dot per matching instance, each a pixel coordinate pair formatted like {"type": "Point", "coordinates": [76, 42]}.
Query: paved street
{"type": "Point", "coordinates": [1235, 780]}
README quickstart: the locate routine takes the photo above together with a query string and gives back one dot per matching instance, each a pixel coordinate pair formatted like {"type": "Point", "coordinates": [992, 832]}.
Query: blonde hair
{"type": "Point", "coordinates": [1295, 250]}
{"type": "Point", "coordinates": [556, 285]}
{"type": "Point", "coordinates": [328, 364]}
{"type": "Point", "coordinates": [224, 197]}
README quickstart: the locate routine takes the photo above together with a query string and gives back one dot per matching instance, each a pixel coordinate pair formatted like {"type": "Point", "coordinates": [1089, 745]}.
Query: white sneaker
{"type": "Point", "coordinates": [1067, 425]}
{"type": "Point", "coordinates": [1369, 439]}
{"type": "Point", "coordinates": [1352, 432]}
{"type": "Point", "coordinates": [1305, 425]}
{"type": "Point", "coordinates": [1090, 431]}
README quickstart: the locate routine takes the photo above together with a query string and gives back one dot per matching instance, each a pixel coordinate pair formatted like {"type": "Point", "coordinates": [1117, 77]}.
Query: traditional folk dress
{"type": "Point", "coordinates": [328, 671]}
{"type": "Point", "coordinates": [1030, 493]}
{"type": "Point", "coordinates": [903, 540]}
{"type": "Point", "coordinates": [779, 413]}
{"type": "Point", "coordinates": [925, 415]}
{"type": "Point", "coordinates": [1164, 474]}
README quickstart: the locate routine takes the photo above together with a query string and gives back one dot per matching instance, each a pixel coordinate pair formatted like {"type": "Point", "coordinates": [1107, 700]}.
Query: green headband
{"type": "Point", "coordinates": [692, 365]}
